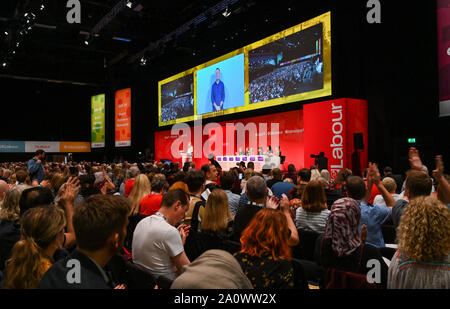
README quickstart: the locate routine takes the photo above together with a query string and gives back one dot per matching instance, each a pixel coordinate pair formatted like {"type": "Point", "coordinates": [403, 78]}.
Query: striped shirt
{"type": "Point", "coordinates": [312, 221]}
{"type": "Point", "coordinates": [405, 273]}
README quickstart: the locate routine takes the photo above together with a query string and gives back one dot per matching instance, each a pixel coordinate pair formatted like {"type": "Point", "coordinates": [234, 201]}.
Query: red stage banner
{"type": "Point", "coordinates": [330, 127]}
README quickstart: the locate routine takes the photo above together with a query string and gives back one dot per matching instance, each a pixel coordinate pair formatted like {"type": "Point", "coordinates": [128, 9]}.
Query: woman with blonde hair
{"type": "Point", "coordinates": [140, 189]}
{"type": "Point", "coordinates": [422, 260]}
{"type": "Point", "coordinates": [42, 233]}
{"type": "Point", "coordinates": [217, 224]}
{"type": "Point", "coordinates": [10, 210]}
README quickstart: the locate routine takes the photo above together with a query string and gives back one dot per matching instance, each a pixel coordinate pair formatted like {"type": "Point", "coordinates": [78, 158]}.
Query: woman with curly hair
{"type": "Point", "coordinates": [42, 233]}
{"type": "Point", "coordinates": [265, 256]}
{"type": "Point", "coordinates": [422, 260]}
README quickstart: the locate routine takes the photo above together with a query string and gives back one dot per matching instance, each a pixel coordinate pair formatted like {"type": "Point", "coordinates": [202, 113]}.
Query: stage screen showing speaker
{"type": "Point", "coordinates": [290, 66]}
{"type": "Point", "coordinates": [221, 86]}
{"type": "Point", "coordinates": [177, 99]}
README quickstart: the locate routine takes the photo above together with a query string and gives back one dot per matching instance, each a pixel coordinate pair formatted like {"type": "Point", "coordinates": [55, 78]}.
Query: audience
{"type": "Point", "coordinates": [265, 255]}
{"type": "Point", "coordinates": [141, 189]}
{"type": "Point", "coordinates": [35, 167]}
{"type": "Point", "coordinates": [151, 203]}
{"type": "Point", "coordinates": [313, 213]}
{"type": "Point", "coordinates": [51, 213]}
{"type": "Point", "coordinates": [4, 188]}
{"type": "Point", "coordinates": [423, 257]}
{"type": "Point", "coordinates": [157, 243]}
{"type": "Point", "coordinates": [100, 224]}
{"type": "Point", "coordinates": [391, 187]}
{"type": "Point", "coordinates": [134, 172]}
{"type": "Point", "coordinates": [292, 173]}
{"type": "Point", "coordinates": [373, 216]}
{"type": "Point", "coordinates": [257, 194]}
{"type": "Point", "coordinates": [217, 226]}
{"type": "Point", "coordinates": [196, 185]}
{"type": "Point", "coordinates": [214, 269]}
{"type": "Point", "coordinates": [226, 182]}
{"type": "Point", "coordinates": [304, 176]}
{"type": "Point", "coordinates": [42, 233]}
{"type": "Point", "coordinates": [342, 247]}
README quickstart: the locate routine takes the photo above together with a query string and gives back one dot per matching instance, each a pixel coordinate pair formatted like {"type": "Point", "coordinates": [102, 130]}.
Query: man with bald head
{"type": "Point", "coordinates": [391, 186]}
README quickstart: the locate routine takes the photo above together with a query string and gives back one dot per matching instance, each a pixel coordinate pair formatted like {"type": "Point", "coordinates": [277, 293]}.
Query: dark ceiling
{"type": "Point", "coordinates": [43, 51]}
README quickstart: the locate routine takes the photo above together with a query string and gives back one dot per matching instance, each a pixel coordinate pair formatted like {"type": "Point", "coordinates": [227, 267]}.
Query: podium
{"type": "Point", "coordinates": [228, 162]}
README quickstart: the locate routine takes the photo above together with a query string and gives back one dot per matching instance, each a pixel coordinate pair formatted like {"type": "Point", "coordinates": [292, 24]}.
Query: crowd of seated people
{"type": "Point", "coordinates": [116, 222]}
{"type": "Point", "coordinates": [280, 82]}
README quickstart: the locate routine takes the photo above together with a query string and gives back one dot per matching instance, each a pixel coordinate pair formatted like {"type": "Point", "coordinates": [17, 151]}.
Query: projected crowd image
{"type": "Point", "coordinates": [177, 98]}
{"type": "Point", "coordinates": [288, 66]}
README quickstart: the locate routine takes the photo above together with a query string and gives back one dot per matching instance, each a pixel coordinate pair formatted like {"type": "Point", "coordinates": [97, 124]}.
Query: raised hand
{"type": "Point", "coordinates": [374, 174]}
{"type": "Point", "coordinates": [438, 173]}
{"type": "Point", "coordinates": [272, 202]}
{"type": "Point", "coordinates": [284, 204]}
{"type": "Point", "coordinates": [70, 189]}
{"type": "Point", "coordinates": [414, 159]}
{"type": "Point", "coordinates": [363, 233]}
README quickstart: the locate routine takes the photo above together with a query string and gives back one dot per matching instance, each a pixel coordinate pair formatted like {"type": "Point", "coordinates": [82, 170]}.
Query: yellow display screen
{"type": "Point", "coordinates": [290, 66]}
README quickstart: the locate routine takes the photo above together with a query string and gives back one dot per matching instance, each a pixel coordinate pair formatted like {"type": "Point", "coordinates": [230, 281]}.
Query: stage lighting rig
{"type": "Point", "coordinates": [226, 13]}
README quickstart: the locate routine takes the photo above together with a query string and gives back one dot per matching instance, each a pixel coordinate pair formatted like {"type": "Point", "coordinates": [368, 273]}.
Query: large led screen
{"type": "Point", "coordinates": [290, 66]}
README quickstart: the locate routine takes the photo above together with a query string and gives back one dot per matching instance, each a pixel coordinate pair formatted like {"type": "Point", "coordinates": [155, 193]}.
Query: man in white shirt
{"type": "Point", "coordinates": [390, 185]}
{"type": "Point", "coordinates": [157, 244]}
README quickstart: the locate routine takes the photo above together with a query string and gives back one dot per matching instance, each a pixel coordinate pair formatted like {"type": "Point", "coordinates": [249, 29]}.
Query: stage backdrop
{"type": "Point", "coordinates": [329, 128]}
{"type": "Point", "coordinates": [320, 127]}
{"type": "Point", "coordinates": [287, 127]}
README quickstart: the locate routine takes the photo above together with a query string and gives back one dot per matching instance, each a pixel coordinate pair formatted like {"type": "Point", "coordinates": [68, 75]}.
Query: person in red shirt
{"type": "Point", "coordinates": [151, 203]}
{"type": "Point", "coordinates": [129, 184]}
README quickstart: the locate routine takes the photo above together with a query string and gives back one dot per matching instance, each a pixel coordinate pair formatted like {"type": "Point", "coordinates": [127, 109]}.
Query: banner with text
{"type": "Point", "coordinates": [123, 118]}
{"type": "Point", "coordinates": [98, 121]}
{"type": "Point", "coordinates": [330, 127]}
{"type": "Point", "coordinates": [12, 146]}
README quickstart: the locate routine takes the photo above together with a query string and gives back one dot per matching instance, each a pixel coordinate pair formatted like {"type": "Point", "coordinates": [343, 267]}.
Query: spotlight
{"type": "Point", "coordinates": [13, 52]}
{"type": "Point", "coordinates": [4, 64]}
{"type": "Point", "coordinates": [17, 44]}
{"type": "Point", "coordinates": [226, 13]}
{"type": "Point", "coordinates": [42, 7]}
{"type": "Point", "coordinates": [86, 42]}
{"type": "Point", "coordinates": [6, 32]}
{"type": "Point", "coordinates": [143, 61]}
{"type": "Point", "coordinates": [129, 4]}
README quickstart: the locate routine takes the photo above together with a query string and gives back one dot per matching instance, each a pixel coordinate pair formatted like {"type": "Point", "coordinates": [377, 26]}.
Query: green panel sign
{"type": "Point", "coordinates": [98, 121]}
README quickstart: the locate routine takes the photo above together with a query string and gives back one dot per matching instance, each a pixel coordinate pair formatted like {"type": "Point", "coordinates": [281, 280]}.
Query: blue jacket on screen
{"type": "Point", "coordinates": [217, 94]}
